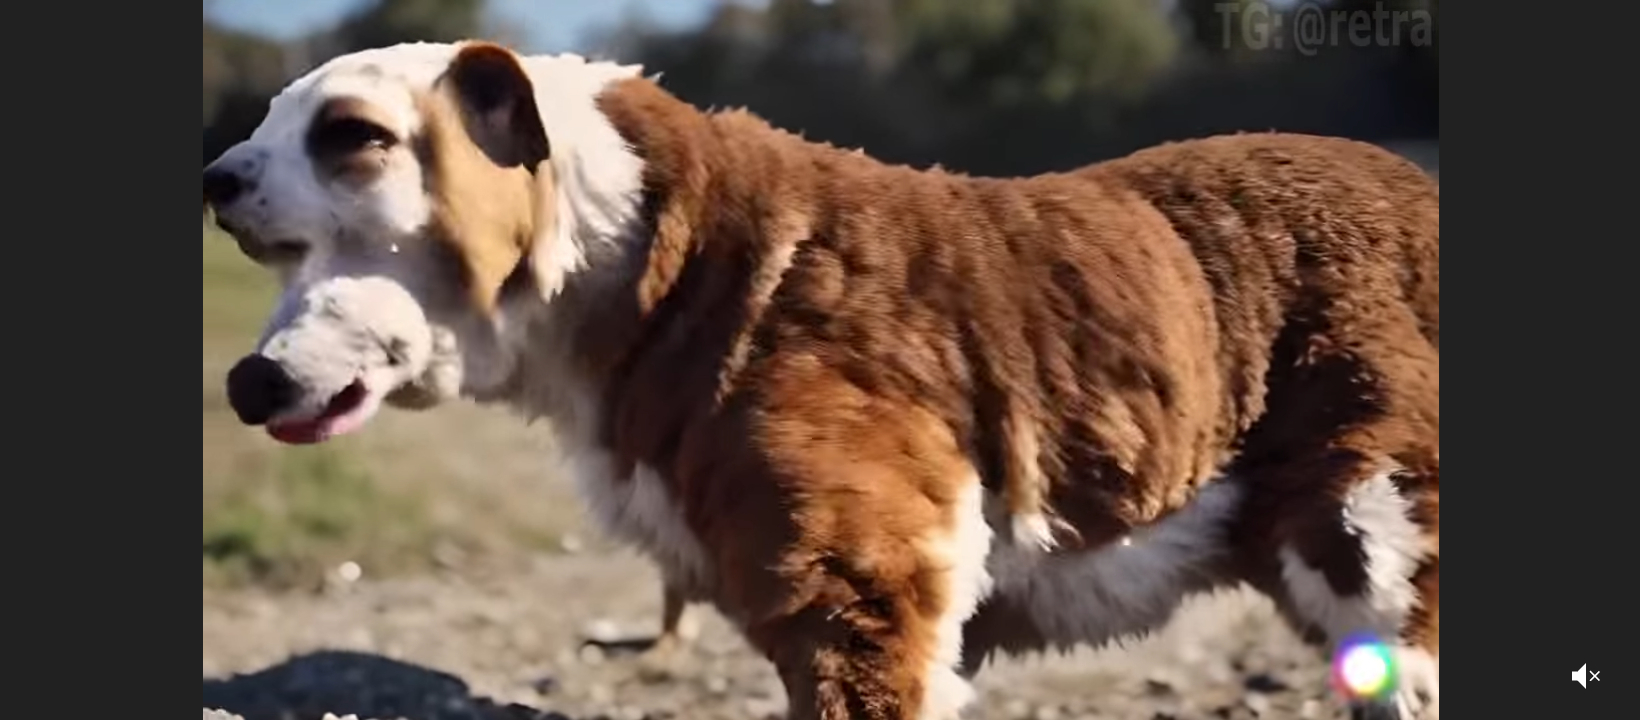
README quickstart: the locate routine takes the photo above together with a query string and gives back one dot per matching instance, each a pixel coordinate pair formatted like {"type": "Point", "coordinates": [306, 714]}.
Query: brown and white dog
{"type": "Point", "coordinates": [888, 421]}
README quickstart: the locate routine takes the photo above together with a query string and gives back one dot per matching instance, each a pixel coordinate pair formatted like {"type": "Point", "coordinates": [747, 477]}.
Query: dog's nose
{"type": "Point", "coordinates": [222, 185]}
{"type": "Point", "coordinates": [259, 388]}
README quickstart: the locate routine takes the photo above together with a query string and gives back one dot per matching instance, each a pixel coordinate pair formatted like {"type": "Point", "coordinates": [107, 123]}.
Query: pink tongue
{"type": "Point", "coordinates": [301, 433]}
{"type": "Point", "coordinates": [339, 417]}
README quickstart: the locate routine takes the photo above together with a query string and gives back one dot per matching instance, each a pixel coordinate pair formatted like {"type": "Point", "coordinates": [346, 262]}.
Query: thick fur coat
{"type": "Point", "coordinates": [891, 420]}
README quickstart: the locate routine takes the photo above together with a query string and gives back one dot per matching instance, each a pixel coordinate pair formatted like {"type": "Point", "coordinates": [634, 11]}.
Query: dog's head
{"type": "Point", "coordinates": [407, 197]}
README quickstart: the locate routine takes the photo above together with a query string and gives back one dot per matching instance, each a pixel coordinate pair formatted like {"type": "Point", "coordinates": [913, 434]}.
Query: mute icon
{"type": "Point", "coordinates": [1582, 676]}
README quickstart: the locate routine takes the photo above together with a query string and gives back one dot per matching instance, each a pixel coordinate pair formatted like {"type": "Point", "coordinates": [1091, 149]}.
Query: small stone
{"type": "Point", "coordinates": [1259, 704]}
{"type": "Point", "coordinates": [1017, 708]}
{"type": "Point", "coordinates": [600, 694]}
{"type": "Point", "coordinates": [349, 571]}
{"type": "Point", "coordinates": [590, 655]}
{"type": "Point", "coordinates": [654, 673]}
{"type": "Point", "coordinates": [717, 685]}
{"type": "Point", "coordinates": [1046, 712]}
{"type": "Point", "coordinates": [571, 543]}
{"type": "Point", "coordinates": [1263, 683]}
{"type": "Point", "coordinates": [601, 630]}
{"type": "Point", "coordinates": [1310, 710]}
{"type": "Point", "coordinates": [1158, 688]}
{"type": "Point", "coordinates": [544, 685]}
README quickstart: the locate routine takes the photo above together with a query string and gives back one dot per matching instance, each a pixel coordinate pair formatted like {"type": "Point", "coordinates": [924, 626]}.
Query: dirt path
{"type": "Point", "coordinates": [507, 646]}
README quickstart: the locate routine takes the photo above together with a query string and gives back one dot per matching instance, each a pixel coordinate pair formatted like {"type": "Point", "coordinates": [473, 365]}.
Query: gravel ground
{"type": "Point", "coordinates": [512, 646]}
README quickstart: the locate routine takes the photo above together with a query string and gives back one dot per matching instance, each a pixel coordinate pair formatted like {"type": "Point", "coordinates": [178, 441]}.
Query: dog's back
{"type": "Point", "coordinates": [1327, 193]}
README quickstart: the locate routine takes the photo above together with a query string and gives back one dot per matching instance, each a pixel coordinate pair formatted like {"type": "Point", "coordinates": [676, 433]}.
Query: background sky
{"type": "Point", "coordinates": [546, 25]}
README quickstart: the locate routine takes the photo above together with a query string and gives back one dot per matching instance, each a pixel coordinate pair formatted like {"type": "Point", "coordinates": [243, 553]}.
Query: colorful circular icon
{"type": "Point", "coordinates": [1364, 668]}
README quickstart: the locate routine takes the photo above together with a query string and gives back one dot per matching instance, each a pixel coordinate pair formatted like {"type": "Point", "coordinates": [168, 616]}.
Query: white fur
{"type": "Point", "coordinates": [1033, 531]}
{"type": "Point", "coordinates": [1418, 695]}
{"type": "Point", "coordinates": [295, 205]}
{"type": "Point", "coordinates": [963, 552]}
{"type": "Point", "coordinates": [598, 182]}
{"type": "Point", "coordinates": [600, 179]}
{"type": "Point", "coordinates": [1126, 588]}
{"type": "Point", "coordinates": [1030, 530]}
{"type": "Point", "coordinates": [1394, 545]}
{"type": "Point", "coordinates": [333, 332]}
{"type": "Point", "coordinates": [639, 511]}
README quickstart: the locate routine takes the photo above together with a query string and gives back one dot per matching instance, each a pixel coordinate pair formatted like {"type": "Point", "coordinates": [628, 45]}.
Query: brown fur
{"type": "Point", "coordinates": [818, 350]}
{"type": "Point", "coordinates": [1325, 258]}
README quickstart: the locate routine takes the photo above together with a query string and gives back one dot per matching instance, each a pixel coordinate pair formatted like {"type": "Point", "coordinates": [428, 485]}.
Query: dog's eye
{"type": "Point", "coordinates": [344, 135]}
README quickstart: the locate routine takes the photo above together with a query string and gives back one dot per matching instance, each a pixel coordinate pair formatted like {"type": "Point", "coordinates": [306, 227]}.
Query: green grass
{"type": "Point", "coordinates": [318, 508]}
{"type": "Point", "coordinates": [456, 482]}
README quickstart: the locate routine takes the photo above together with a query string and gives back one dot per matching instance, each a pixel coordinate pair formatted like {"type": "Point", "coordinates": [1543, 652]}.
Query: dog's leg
{"type": "Point", "coordinates": [1343, 516]}
{"type": "Point", "coordinates": [1367, 568]}
{"type": "Point", "coordinates": [885, 561]}
{"type": "Point", "coordinates": [1399, 603]}
{"type": "Point", "coordinates": [677, 628]}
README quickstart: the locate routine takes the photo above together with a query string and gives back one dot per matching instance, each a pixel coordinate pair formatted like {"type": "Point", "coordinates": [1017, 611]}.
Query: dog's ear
{"type": "Point", "coordinates": [486, 153]}
{"type": "Point", "coordinates": [499, 98]}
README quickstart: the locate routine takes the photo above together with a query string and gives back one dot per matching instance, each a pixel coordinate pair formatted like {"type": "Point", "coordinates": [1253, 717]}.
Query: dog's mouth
{"type": "Point", "coordinates": [347, 411]}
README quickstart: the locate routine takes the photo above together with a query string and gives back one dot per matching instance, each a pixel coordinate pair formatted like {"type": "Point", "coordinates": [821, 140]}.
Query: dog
{"type": "Point", "coordinates": [890, 422]}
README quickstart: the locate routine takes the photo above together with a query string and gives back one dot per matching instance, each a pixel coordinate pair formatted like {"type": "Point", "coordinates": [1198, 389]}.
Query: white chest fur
{"type": "Point", "coordinates": [640, 511]}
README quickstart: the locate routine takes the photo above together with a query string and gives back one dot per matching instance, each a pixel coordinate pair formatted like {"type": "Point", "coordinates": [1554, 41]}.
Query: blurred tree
{"type": "Point", "coordinates": [1010, 51]}
{"type": "Point", "coordinates": [1216, 28]}
{"type": "Point", "coordinates": [984, 86]}
{"type": "Point", "coordinates": [912, 79]}
{"type": "Point", "coordinates": [389, 22]}
{"type": "Point", "coordinates": [241, 72]}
